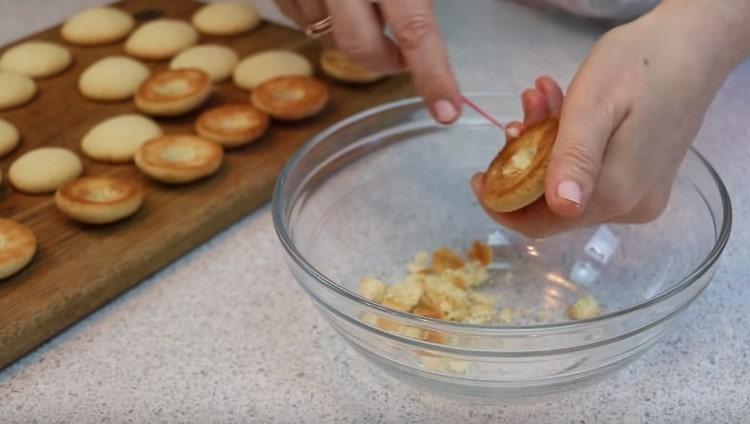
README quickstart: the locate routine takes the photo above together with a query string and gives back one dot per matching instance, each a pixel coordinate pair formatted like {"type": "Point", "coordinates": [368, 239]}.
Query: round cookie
{"type": "Point", "coordinates": [173, 92]}
{"type": "Point", "coordinates": [98, 200]}
{"type": "Point", "coordinates": [44, 169]}
{"type": "Point", "coordinates": [17, 247]}
{"type": "Point", "coordinates": [290, 98]}
{"type": "Point", "coordinates": [113, 78]}
{"type": "Point", "coordinates": [336, 65]}
{"type": "Point", "coordinates": [161, 39]}
{"type": "Point", "coordinates": [256, 69]}
{"type": "Point", "coordinates": [226, 18]}
{"type": "Point", "coordinates": [232, 125]}
{"type": "Point", "coordinates": [116, 139]}
{"type": "Point", "coordinates": [215, 60]}
{"type": "Point", "coordinates": [179, 158]}
{"type": "Point", "coordinates": [15, 89]}
{"type": "Point", "coordinates": [9, 137]}
{"type": "Point", "coordinates": [96, 26]}
{"type": "Point", "coordinates": [515, 178]}
{"type": "Point", "coordinates": [36, 59]}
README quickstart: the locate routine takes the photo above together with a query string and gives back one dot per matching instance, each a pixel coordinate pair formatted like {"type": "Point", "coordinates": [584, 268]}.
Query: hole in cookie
{"type": "Point", "coordinates": [173, 88]}
{"type": "Point", "coordinates": [290, 94]}
{"type": "Point", "coordinates": [236, 122]}
{"type": "Point", "coordinates": [178, 154]}
{"type": "Point", "coordinates": [3, 241]}
{"type": "Point", "coordinates": [520, 160]}
{"type": "Point", "coordinates": [103, 194]}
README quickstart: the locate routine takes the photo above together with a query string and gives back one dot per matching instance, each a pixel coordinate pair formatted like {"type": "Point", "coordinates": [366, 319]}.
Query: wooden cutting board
{"type": "Point", "coordinates": [79, 268]}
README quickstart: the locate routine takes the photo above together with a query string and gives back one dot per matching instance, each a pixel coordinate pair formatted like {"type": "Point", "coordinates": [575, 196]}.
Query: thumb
{"type": "Point", "coordinates": [576, 157]}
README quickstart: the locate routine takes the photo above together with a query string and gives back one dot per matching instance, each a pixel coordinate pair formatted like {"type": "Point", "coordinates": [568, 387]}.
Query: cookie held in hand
{"type": "Point", "coordinates": [515, 178]}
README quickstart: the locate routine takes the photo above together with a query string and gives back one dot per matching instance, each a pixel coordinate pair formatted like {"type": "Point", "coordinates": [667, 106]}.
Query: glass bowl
{"type": "Point", "coordinates": [361, 198]}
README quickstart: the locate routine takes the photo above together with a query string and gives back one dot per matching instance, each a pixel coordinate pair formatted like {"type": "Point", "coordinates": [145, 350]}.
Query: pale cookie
{"type": "Point", "coordinates": [116, 139]}
{"type": "Point", "coordinates": [336, 65]}
{"type": "Point", "coordinates": [179, 158]}
{"type": "Point", "coordinates": [232, 125]}
{"type": "Point", "coordinates": [15, 89]}
{"type": "Point", "coordinates": [17, 247]}
{"type": "Point", "coordinates": [100, 25]}
{"type": "Point", "coordinates": [44, 169]}
{"type": "Point", "coordinates": [113, 78]}
{"type": "Point", "coordinates": [290, 98]}
{"type": "Point", "coordinates": [256, 69]}
{"type": "Point", "coordinates": [173, 92]}
{"type": "Point", "coordinates": [215, 60]}
{"type": "Point", "coordinates": [161, 39]}
{"type": "Point", "coordinates": [36, 59]}
{"type": "Point", "coordinates": [226, 18]}
{"type": "Point", "coordinates": [515, 178]}
{"type": "Point", "coordinates": [98, 200]}
{"type": "Point", "coordinates": [9, 137]}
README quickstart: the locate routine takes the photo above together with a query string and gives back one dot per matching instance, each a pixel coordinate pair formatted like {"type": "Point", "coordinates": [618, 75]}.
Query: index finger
{"type": "Point", "coordinates": [416, 30]}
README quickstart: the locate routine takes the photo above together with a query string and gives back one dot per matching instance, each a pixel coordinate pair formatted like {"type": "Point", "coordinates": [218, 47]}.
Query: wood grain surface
{"type": "Point", "coordinates": [79, 268]}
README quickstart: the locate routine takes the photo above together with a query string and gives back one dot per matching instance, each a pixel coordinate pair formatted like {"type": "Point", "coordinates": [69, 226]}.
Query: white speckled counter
{"type": "Point", "coordinates": [226, 335]}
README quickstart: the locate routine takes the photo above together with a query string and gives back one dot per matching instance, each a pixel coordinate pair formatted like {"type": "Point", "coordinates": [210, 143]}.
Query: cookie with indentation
{"type": "Point", "coordinates": [291, 98]}
{"type": "Point", "coordinates": [258, 68]}
{"type": "Point", "coordinates": [161, 39]}
{"type": "Point", "coordinates": [15, 89]}
{"type": "Point", "coordinates": [232, 125]}
{"type": "Point", "coordinates": [179, 158]}
{"type": "Point", "coordinates": [226, 18]}
{"type": "Point", "coordinates": [97, 26]}
{"type": "Point", "coordinates": [515, 178]}
{"type": "Point", "coordinates": [215, 60]}
{"type": "Point", "coordinates": [116, 139]}
{"type": "Point", "coordinates": [336, 65]}
{"type": "Point", "coordinates": [98, 200]}
{"type": "Point", "coordinates": [17, 247]}
{"type": "Point", "coordinates": [36, 59]}
{"type": "Point", "coordinates": [9, 137]}
{"type": "Point", "coordinates": [173, 92]}
{"type": "Point", "coordinates": [44, 169]}
{"type": "Point", "coordinates": [113, 78]}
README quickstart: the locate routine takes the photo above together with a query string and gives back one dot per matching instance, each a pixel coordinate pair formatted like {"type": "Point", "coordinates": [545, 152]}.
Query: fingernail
{"type": "Point", "coordinates": [445, 111]}
{"type": "Point", "coordinates": [571, 191]}
{"type": "Point", "coordinates": [512, 132]}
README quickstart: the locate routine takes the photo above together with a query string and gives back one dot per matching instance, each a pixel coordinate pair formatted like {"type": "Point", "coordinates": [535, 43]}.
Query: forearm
{"type": "Point", "coordinates": [720, 30]}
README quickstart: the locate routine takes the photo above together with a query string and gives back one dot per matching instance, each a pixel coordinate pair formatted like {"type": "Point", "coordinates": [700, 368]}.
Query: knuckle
{"type": "Point", "coordinates": [618, 199]}
{"type": "Point", "coordinates": [412, 31]}
{"type": "Point", "coordinates": [583, 161]}
{"type": "Point", "coordinates": [651, 209]}
{"type": "Point", "coordinates": [358, 50]}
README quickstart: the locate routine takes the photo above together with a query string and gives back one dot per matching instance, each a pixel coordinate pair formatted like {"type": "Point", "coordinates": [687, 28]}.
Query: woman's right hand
{"type": "Point", "coordinates": [359, 32]}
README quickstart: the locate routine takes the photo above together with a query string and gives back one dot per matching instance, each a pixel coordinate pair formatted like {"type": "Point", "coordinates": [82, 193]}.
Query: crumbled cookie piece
{"type": "Point", "coordinates": [445, 258]}
{"type": "Point", "coordinates": [584, 308]}
{"type": "Point", "coordinates": [420, 264]}
{"type": "Point", "coordinates": [372, 289]}
{"type": "Point", "coordinates": [507, 315]}
{"type": "Point", "coordinates": [403, 296]}
{"type": "Point", "coordinates": [481, 253]}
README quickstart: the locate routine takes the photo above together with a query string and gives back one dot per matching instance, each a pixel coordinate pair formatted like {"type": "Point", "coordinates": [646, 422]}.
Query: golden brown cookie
{"type": "Point", "coordinates": [173, 92]}
{"type": "Point", "coordinates": [178, 158]}
{"type": "Point", "coordinates": [98, 200]}
{"type": "Point", "coordinates": [290, 98]}
{"type": "Point", "coordinates": [336, 65]}
{"type": "Point", "coordinates": [232, 125]}
{"type": "Point", "coordinates": [515, 178]}
{"type": "Point", "coordinates": [17, 247]}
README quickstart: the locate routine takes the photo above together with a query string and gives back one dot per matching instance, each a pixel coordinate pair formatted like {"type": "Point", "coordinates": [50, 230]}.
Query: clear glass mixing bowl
{"type": "Point", "coordinates": [361, 198]}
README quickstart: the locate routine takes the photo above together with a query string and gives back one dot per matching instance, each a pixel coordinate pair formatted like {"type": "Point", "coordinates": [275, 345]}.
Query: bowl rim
{"type": "Point", "coordinates": [286, 241]}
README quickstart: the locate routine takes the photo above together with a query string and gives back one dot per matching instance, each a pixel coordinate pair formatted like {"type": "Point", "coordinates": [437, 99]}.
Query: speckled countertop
{"type": "Point", "coordinates": [226, 335]}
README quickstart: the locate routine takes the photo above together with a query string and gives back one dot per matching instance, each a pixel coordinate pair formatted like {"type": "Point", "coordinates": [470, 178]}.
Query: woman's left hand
{"type": "Point", "coordinates": [626, 122]}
